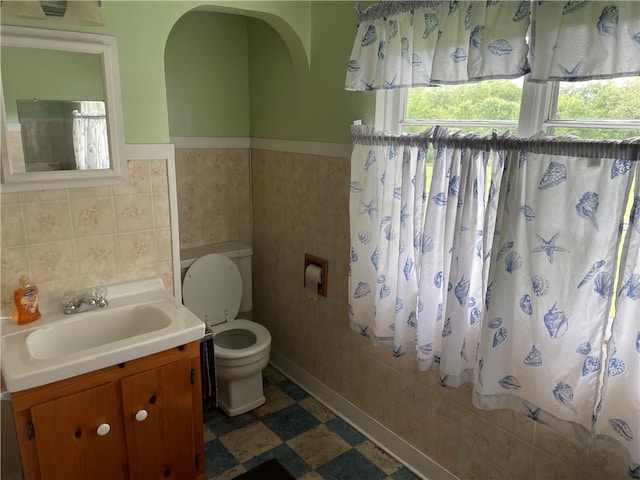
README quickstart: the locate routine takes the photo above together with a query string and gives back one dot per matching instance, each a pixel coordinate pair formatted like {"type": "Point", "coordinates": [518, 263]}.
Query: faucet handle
{"type": "Point", "coordinates": [77, 301]}
{"type": "Point", "coordinates": [71, 301]}
{"type": "Point", "coordinates": [70, 297]}
{"type": "Point", "coordinates": [100, 292]}
{"type": "Point", "coordinates": [99, 296]}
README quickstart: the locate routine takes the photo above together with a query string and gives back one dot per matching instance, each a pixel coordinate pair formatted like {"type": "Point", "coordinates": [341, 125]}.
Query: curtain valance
{"type": "Point", "coordinates": [405, 44]}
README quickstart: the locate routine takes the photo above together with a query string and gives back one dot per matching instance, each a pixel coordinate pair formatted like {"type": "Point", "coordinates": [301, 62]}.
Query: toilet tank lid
{"type": "Point", "coordinates": [230, 249]}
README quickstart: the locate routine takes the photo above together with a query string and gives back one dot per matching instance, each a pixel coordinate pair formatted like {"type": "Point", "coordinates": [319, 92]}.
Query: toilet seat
{"type": "Point", "coordinates": [212, 289]}
{"type": "Point", "coordinates": [263, 338]}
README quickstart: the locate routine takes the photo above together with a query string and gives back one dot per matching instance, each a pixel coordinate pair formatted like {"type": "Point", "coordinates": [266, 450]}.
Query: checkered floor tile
{"type": "Point", "coordinates": [307, 439]}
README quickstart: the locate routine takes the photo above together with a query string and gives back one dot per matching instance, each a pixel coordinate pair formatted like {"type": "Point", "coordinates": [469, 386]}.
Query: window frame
{"type": "Point", "coordinates": [537, 109]}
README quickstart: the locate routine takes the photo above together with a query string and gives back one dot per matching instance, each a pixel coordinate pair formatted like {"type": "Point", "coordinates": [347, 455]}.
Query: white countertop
{"type": "Point", "coordinates": [22, 370]}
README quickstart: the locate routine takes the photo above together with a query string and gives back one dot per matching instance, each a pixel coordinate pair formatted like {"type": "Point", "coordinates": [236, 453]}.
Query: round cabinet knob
{"type": "Point", "coordinates": [103, 429]}
{"type": "Point", "coordinates": [141, 415]}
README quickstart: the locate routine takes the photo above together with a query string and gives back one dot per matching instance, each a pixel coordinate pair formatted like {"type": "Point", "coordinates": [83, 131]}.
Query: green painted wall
{"type": "Point", "coordinates": [207, 67]}
{"type": "Point", "coordinates": [70, 76]}
{"type": "Point", "coordinates": [307, 105]}
{"type": "Point", "coordinates": [306, 101]}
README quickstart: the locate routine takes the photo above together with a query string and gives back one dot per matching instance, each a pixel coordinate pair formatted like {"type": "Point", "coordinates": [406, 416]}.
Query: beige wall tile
{"type": "Point", "coordinates": [96, 255]}
{"type": "Point", "coordinates": [603, 465]}
{"type": "Point", "coordinates": [137, 249]}
{"type": "Point", "coordinates": [562, 447]}
{"type": "Point", "coordinates": [160, 209]}
{"type": "Point", "coordinates": [14, 262]}
{"type": "Point", "coordinates": [139, 179]}
{"type": "Point", "coordinates": [92, 216]}
{"type": "Point", "coordinates": [52, 261]}
{"type": "Point", "coordinates": [133, 213]}
{"type": "Point", "coordinates": [515, 423]}
{"type": "Point", "coordinates": [165, 272]}
{"type": "Point", "coordinates": [90, 192]}
{"type": "Point", "coordinates": [47, 221]}
{"type": "Point", "coordinates": [12, 226]}
{"type": "Point", "coordinates": [66, 239]}
{"type": "Point", "coordinates": [36, 196]}
{"type": "Point", "coordinates": [163, 242]}
{"type": "Point", "coordinates": [214, 200]}
{"type": "Point", "coordinates": [99, 279]}
{"type": "Point", "coordinates": [10, 198]}
{"type": "Point", "coordinates": [441, 423]}
{"type": "Point", "coordinates": [158, 172]}
{"type": "Point", "coordinates": [136, 272]}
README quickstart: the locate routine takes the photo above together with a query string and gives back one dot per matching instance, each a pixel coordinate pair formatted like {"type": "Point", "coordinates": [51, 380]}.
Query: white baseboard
{"type": "Point", "coordinates": [384, 438]}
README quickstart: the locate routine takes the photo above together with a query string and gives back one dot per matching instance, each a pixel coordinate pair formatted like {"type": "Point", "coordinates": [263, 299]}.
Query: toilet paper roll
{"type": "Point", "coordinates": [312, 278]}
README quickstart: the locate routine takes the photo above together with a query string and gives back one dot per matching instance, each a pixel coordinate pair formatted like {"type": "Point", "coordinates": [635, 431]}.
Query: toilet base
{"type": "Point", "coordinates": [242, 395]}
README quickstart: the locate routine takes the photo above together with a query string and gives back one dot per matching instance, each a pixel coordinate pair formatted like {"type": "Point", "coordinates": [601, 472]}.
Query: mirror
{"type": "Point", "coordinates": [61, 110]}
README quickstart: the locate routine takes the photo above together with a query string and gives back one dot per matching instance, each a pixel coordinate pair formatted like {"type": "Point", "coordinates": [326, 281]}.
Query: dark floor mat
{"type": "Point", "coordinates": [269, 470]}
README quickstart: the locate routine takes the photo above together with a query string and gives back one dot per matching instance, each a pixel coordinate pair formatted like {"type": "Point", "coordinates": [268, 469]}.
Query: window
{"type": "Point", "coordinates": [597, 109]}
{"type": "Point", "coordinates": [478, 107]}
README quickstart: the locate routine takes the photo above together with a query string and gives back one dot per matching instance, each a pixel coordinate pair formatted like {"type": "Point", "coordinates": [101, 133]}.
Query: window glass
{"type": "Point", "coordinates": [475, 107]}
{"type": "Point", "coordinates": [598, 109]}
{"type": "Point", "coordinates": [617, 99]}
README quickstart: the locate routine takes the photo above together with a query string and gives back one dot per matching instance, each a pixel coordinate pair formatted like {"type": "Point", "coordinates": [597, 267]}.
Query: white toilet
{"type": "Point", "coordinates": [212, 288]}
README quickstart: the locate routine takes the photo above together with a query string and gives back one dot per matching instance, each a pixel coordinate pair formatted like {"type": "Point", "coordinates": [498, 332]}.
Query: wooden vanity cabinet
{"type": "Point", "coordinates": [141, 420]}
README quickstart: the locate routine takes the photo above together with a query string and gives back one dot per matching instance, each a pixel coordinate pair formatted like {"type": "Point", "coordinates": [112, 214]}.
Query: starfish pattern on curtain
{"type": "Point", "coordinates": [506, 282]}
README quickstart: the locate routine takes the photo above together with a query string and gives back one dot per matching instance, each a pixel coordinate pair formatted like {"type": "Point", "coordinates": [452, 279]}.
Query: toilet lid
{"type": "Point", "coordinates": [212, 289]}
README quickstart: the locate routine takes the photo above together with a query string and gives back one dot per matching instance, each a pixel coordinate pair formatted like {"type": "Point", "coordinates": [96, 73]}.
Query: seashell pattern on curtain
{"type": "Point", "coordinates": [542, 350]}
{"type": "Point", "coordinates": [618, 414]}
{"type": "Point", "coordinates": [585, 40]}
{"type": "Point", "coordinates": [507, 282]}
{"type": "Point", "coordinates": [420, 43]}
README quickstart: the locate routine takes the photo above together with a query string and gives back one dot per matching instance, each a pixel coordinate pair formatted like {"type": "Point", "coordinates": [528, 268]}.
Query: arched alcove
{"type": "Point", "coordinates": [218, 80]}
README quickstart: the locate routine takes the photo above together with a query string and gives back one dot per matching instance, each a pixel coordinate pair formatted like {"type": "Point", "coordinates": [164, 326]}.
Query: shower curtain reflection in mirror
{"type": "Point", "coordinates": [63, 135]}
{"type": "Point", "coordinates": [90, 140]}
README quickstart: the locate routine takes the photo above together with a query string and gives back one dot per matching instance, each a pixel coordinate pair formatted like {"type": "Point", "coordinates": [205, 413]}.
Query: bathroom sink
{"type": "Point", "coordinates": [104, 327]}
{"type": "Point", "coordinates": [142, 318]}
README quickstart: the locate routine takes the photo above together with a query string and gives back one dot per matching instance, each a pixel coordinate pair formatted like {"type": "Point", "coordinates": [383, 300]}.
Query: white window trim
{"type": "Point", "coordinates": [537, 107]}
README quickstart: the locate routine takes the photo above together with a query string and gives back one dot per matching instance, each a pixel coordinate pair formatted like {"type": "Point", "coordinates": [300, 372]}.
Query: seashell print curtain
{"type": "Point", "coordinates": [618, 415]}
{"type": "Point", "coordinates": [90, 138]}
{"type": "Point", "coordinates": [387, 210]}
{"type": "Point", "coordinates": [585, 40]}
{"type": "Point", "coordinates": [542, 344]}
{"type": "Point", "coordinates": [506, 282]}
{"type": "Point", "coordinates": [410, 44]}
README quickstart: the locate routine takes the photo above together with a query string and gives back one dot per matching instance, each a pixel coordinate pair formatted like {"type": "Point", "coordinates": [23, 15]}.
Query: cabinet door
{"type": "Point", "coordinates": [68, 439]}
{"type": "Point", "coordinates": [158, 422]}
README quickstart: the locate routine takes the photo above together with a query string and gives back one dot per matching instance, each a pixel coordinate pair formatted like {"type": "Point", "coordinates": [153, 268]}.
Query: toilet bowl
{"type": "Point", "coordinates": [212, 289]}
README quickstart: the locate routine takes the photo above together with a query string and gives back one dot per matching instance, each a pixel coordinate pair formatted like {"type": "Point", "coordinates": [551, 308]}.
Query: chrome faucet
{"type": "Point", "coordinates": [77, 302]}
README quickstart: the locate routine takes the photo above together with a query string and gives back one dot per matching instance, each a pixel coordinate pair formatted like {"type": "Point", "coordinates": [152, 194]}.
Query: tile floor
{"type": "Point", "coordinates": [309, 440]}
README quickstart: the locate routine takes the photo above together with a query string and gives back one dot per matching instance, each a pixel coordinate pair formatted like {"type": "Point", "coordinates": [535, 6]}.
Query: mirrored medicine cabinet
{"type": "Point", "coordinates": [60, 103]}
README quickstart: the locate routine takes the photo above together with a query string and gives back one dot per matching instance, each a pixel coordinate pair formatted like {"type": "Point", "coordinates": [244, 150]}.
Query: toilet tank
{"type": "Point", "coordinates": [237, 251]}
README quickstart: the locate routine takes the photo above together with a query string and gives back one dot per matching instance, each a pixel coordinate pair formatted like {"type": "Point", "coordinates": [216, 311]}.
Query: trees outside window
{"type": "Point", "coordinates": [597, 109]}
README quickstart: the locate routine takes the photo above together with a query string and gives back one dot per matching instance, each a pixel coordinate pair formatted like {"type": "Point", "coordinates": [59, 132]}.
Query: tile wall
{"type": "Point", "coordinates": [68, 239]}
{"type": "Point", "coordinates": [214, 201]}
{"type": "Point", "coordinates": [300, 204]}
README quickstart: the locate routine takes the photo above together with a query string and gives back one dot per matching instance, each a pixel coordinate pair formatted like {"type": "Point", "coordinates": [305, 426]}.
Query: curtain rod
{"type": "Point", "coordinates": [628, 149]}
{"type": "Point", "coordinates": [384, 9]}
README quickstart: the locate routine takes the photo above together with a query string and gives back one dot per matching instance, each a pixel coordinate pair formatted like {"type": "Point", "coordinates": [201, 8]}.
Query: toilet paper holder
{"type": "Point", "coordinates": [324, 265]}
